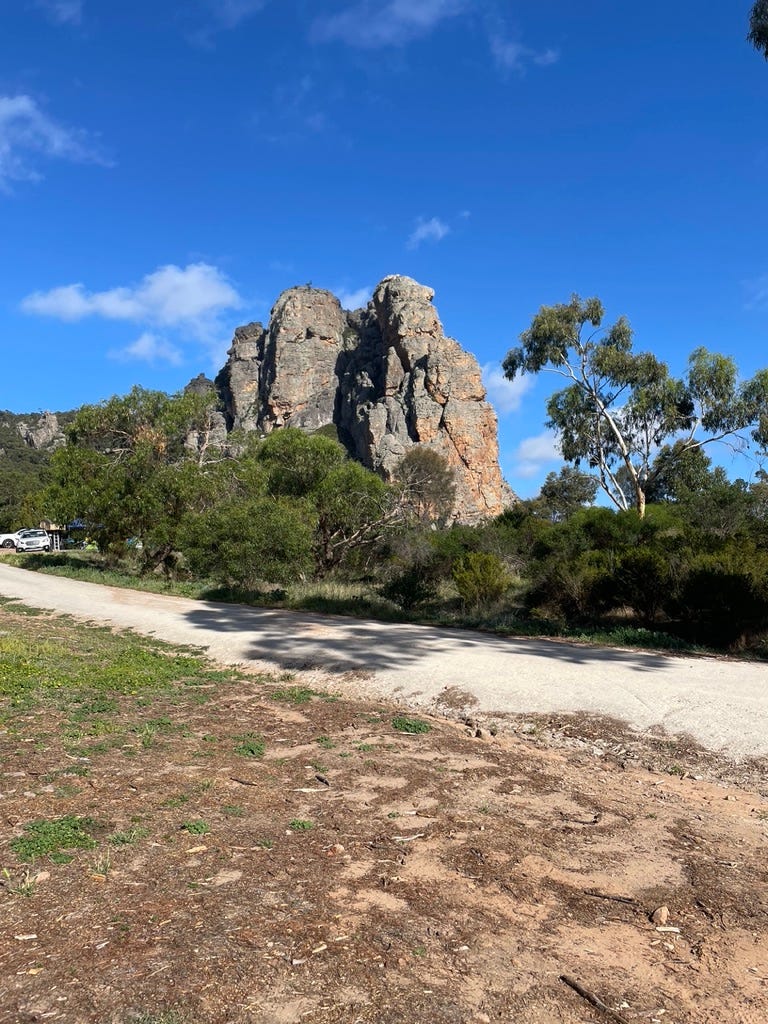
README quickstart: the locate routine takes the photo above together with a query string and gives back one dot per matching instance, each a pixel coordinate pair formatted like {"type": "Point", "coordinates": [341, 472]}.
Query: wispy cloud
{"type": "Point", "coordinates": [29, 136]}
{"type": "Point", "coordinates": [293, 113]}
{"type": "Point", "coordinates": [229, 13]}
{"type": "Point", "coordinates": [371, 24]}
{"type": "Point", "coordinates": [62, 12]}
{"type": "Point", "coordinates": [505, 395]}
{"type": "Point", "coordinates": [356, 299]}
{"type": "Point", "coordinates": [148, 348]}
{"type": "Point", "coordinates": [511, 55]}
{"type": "Point", "coordinates": [757, 293]}
{"type": "Point", "coordinates": [432, 230]}
{"type": "Point", "coordinates": [213, 16]}
{"type": "Point", "coordinates": [533, 453]}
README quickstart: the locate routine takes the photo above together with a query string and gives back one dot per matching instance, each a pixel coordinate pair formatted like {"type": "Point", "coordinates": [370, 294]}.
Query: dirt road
{"type": "Point", "coordinates": [720, 703]}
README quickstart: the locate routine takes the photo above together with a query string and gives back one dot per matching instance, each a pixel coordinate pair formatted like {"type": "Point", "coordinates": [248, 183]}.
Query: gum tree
{"type": "Point", "coordinates": [758, 27]}
{"type": "Point", "coordinates": [619, 407]}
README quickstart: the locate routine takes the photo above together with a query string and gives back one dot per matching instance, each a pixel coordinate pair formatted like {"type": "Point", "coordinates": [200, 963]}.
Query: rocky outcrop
{"type": "Point", "coordinates": [43, 434]}
{"type": "Point", "coordinates": [385, 376]}
{"type": "Point", "coordinates": [213, 431]}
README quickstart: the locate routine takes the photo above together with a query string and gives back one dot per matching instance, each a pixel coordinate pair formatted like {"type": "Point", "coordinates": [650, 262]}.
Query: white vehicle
{"type": "Point", "coordinates": [10, 540]}
{"type": "Point", "coordinates": [33, 540]}
{"type": "Point", "coordinates": [26, 540]}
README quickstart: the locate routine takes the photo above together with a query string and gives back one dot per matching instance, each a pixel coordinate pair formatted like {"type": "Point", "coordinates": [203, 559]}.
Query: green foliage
{"type": "Point", "coordinates": [758, 27]}
{"type": "Point", "coordinates": [402, 723]}
{"type": "Point", "coordinates": [244, 541]}
{"type": "Point", "coordinates": [128, 472]}
{"type": "Point", "coordinates": [250, 745]}
{"type": "Point", "coordinates": [618, 406]}
{"type": "Point", "coordinates": [294, 694]}
{"type": "Point", "coordinates": [428, 484]}
{"type": "Point", "coordinates": [54, 837]}
{"type": "Point", "coordinates": [297, 463]}
{"type": "Point", "coordinates": [409, 588]}
{"type": "Point", "coordinates": [481, 578]}
{"type": "Point", "coordinates": [300, 825]}
{"type": "Point", "coordinates": [355, 508]}
{"type": "Point", "coordinates": [24, 471]}
{"type": "Point", "coordinates": [196, 827]}
{"type": "Point", "coordinates": [566, 492]}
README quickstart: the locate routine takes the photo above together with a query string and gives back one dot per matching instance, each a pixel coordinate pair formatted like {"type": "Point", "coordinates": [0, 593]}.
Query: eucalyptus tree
{"type": "Point", "coordinates": [619, 407]}
{"type": "Point", "coordinates": [758, 27]}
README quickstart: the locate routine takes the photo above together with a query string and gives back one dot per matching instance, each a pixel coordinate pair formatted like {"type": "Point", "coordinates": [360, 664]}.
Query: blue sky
{"type": "Point", "coordinates": [167, 168]}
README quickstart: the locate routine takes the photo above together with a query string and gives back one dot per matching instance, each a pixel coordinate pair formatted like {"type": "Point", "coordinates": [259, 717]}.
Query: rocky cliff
{"type": "Point", "coordinates": [386, 377]}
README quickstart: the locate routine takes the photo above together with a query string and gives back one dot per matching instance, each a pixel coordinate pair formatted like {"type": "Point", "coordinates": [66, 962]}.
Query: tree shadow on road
{"type": "Point", "coordinates": [298, 640]}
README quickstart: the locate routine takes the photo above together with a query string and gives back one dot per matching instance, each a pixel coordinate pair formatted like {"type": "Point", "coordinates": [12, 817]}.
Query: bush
{"type": "Point", "coordinates": [480, 578]}
{"type": "Point", "coordinates": [409, 588]}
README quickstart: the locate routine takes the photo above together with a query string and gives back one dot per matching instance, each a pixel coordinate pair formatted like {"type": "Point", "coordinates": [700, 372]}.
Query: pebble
{"type": "Point", "coordinates": [660, 915]}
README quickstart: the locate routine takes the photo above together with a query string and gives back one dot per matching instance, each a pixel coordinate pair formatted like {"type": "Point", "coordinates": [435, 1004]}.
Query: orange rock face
{"type": "Point", "coordinates": [386, 376]}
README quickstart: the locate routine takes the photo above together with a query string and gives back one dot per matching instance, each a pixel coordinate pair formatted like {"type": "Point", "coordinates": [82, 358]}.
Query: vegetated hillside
{"type": "Point", "coordinates": [23, 465]}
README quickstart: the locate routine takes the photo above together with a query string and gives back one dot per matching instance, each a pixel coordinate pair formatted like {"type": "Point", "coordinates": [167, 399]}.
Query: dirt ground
{"type": "Point", "coordinates": [354, 872]}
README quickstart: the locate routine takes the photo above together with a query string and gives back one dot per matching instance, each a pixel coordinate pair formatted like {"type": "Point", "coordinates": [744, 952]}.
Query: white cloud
{"type": "Point", "coordinates": [432, 230]}
{"type": "Point", "coordinates": [533, 453]}
{"type": "Point", "coordinates": [62, 12]}
{"type": "Point", "coordinates": [28, 134]}
{"type": "Point", "coordinates": [356, 299]}
{"type": "Point", "coordinates": [506, 395]}
{"type": "Point", "coordinates": [371, 24]}
{"type": "Point", "coordinates": [192, 296]}
{"type": "Point", "coordinates": [514, 56]}
{"type": "Point", "coordinates": [148, 348]}
{"type": "Point", "coordinates": [758, 293]}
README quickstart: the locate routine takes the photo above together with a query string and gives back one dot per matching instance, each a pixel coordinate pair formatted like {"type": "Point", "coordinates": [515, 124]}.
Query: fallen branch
{"type": "Point", "coordinates": [607, 896]}
{"type": "Point", "coordinates": [592, 999]}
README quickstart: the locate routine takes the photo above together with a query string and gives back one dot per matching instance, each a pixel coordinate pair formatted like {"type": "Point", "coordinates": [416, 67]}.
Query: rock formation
{"type": "Point", "coordinates": [45, 433]}
{"type": "Point", "coordinates": [386, 377]}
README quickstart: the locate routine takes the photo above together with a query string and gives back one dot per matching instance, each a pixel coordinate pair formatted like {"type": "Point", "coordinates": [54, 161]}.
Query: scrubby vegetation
{"type": "Point", "coordinates": [289, 519]}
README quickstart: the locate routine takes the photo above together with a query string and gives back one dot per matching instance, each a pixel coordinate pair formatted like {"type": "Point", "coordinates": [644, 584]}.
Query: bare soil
{"type": "Point", "coordinates": [450, 876]}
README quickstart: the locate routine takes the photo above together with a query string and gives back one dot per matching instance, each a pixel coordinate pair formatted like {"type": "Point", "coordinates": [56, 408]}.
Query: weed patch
{"type": "Point", "coordinates": [54, 837]}
{"type": "Point", "coordinates": [410, 725]}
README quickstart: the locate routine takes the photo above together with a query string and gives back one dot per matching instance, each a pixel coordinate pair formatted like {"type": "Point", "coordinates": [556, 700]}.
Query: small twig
{"type": "Point", "coordinates": [244, 782]}
{"type": "Point", "coordinates": [408, 839]}
{"type": "Point", "coordinates": [593, 999]}
{"type": "Point", "coordinates": [607, 896]}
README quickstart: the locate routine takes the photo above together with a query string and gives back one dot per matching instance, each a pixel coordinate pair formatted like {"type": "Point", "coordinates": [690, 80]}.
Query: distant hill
{"type": "Point", "coordinates": [27, 442]}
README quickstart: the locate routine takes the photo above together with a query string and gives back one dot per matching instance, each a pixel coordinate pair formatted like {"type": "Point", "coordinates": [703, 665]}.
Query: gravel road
{"type": "Point", "coordinates": [720, 703]}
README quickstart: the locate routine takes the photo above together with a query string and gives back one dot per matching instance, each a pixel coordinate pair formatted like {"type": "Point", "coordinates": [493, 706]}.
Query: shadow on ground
{"type": "Point", "coordinates": [295, 640]}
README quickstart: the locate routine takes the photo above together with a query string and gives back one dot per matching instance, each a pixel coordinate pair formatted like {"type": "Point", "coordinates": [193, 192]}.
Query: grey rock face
{"type": "Point", "coordinates": [45, 433]}
{"type": "Point", "coordinates": [386, 377]}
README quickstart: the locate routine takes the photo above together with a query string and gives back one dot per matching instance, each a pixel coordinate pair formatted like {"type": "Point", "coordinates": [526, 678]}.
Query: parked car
{"type": "Point", "coordinates": [33, 540]}
{"type": "Point", "coordinates": [10, 540]}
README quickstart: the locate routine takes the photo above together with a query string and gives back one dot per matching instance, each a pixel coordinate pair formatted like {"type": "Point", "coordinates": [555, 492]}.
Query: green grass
{"type": "Point", "coordinates": [53, 837]}
{"type": "Point", "coordinates": [250, 745]}
{"type": "Point", "coordinates": [83, 670]}
{"type": "Point", "coordinates": [294, 694]}
{"type": "Point", "coordinates": [128, 837]}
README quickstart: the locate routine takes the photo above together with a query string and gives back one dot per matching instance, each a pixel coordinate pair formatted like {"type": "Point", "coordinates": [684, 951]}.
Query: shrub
{"type": "Point", "coordinates": [480, 578]}
{"type": "Point", "coordinates": [409, 588]}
